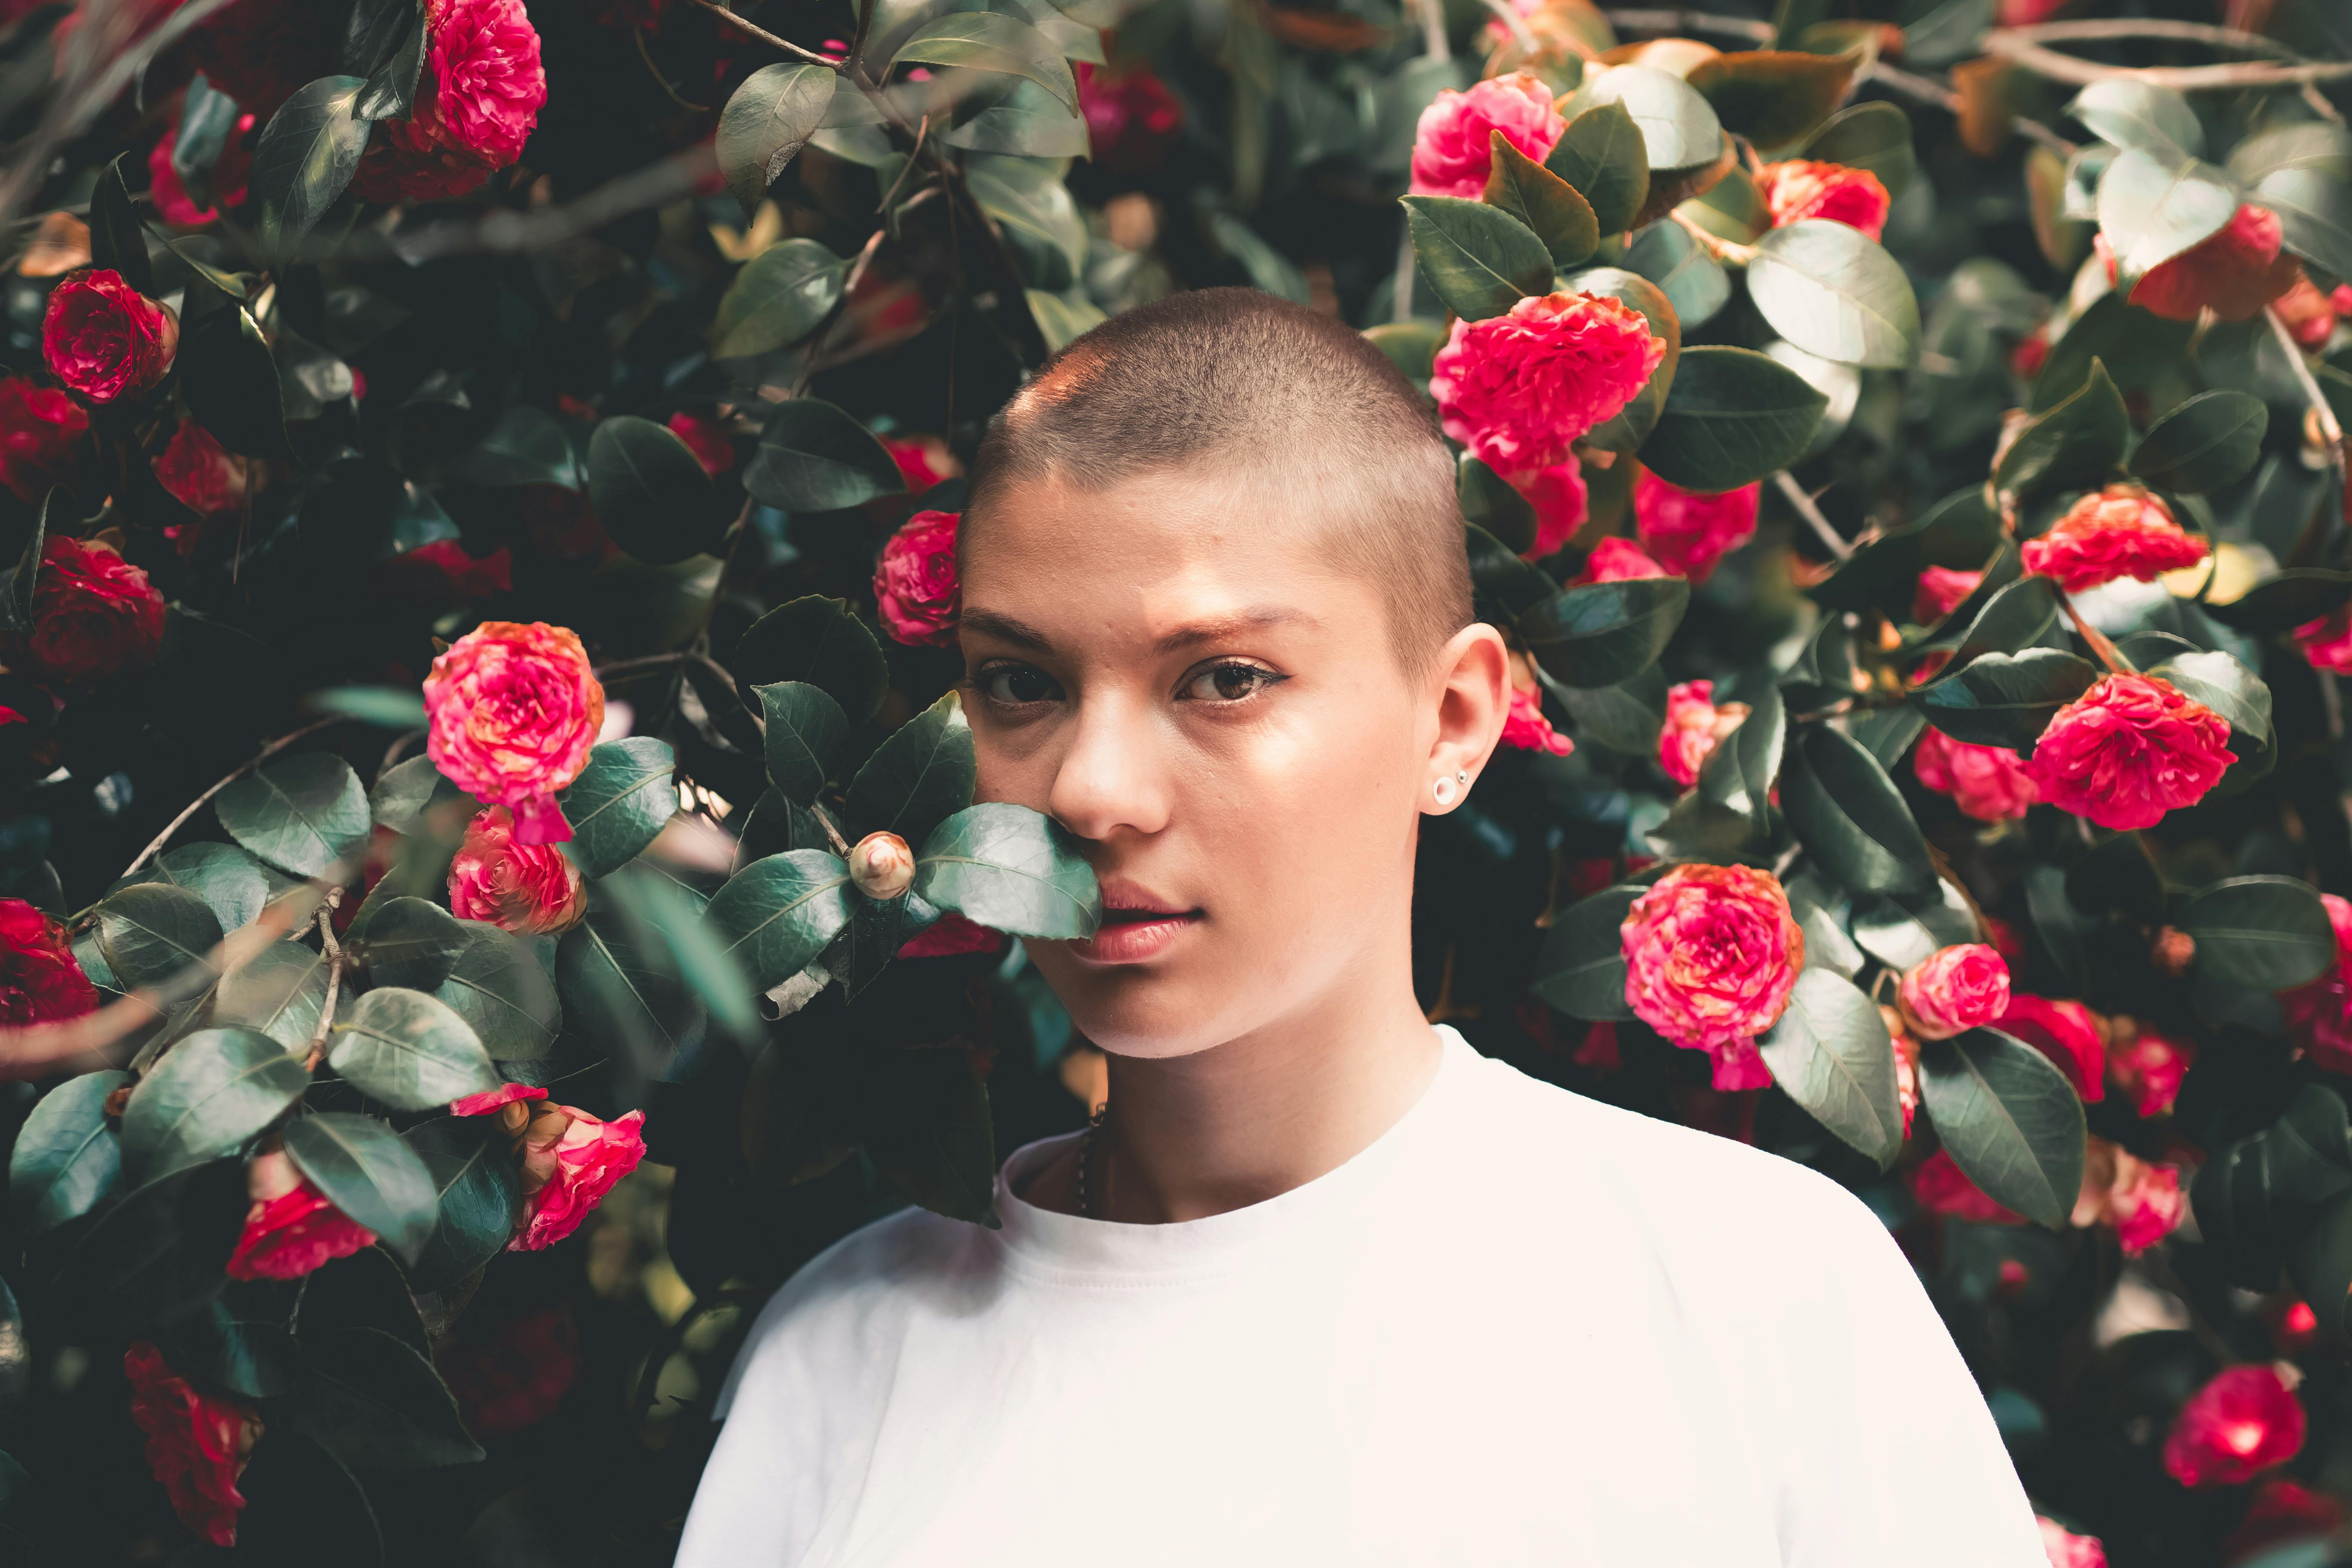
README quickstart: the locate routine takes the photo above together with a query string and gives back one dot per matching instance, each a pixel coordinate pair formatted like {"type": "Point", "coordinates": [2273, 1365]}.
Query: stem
{"type": "Point", "coordinates": [824, 818]}
{"type": "Point", "coordinates": [1715, 245]}
{"type": "Point", "coordinates": [2330, 427]}
{"type": "Point", "coordinates": [1433, 29]}
{"type": "Point", "coordinates": [823, 337]}
{"type": "Point", "coordinates": [637, 666]}
{"type": "Point", "coordinates": [1693, 22]}
{"type": "Point", "coordinates": [1403, 310]}
{"type": "Point", "coordinates": [268, 751]}
{"type": "Point", "coordinates": [2114, 661]}
{"type": "Point", "coordinates": [1517, 24]}
{"type": "Point", "coordinates": [1796, 496]}
{"type": "Point", "coordinates": [2022, 47]}
{"type": "Point", "coordinates": [770, 39]}
{"type": "Point", "coordinates": [334, 951]}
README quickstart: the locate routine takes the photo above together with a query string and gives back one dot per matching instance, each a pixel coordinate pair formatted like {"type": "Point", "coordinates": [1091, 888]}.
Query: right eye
{"type": "Point", "coordinates": [1016, 685]}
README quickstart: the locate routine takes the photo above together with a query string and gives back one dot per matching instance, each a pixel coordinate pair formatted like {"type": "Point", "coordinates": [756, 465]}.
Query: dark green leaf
{"type": "Point", "coordinates": [1831, 291]}
{"type": "Point", "coordinates": [386, 707]}
{"type": "Point", "coordinates": [1268, 268]}
{"type": "Point", "coordinates": [1625, 431]}
{"type": "Point", "coordinates": [1849, 815]}
{"type": "Point", "coordinates": [1691, 279]}
{"type": "Point", "coordinates": [621, 991]}
{"type": "Point", "coordinates": [2260, 933]}
{"type": "Point", "coordinates": [406, 792]}
{"type": "Point", "coordinates": [1010, 868]}
{"type": "Point", "coordinates": [239, 1340]}
{"type": "Point", "coordinates": [526, 447]}
{"type": "Point", "coordinates": [116, 240]}
{"type": "Point", "coordinates": [308, 153]}
{"type": "Point", "coordinates": [1552, 209]}
{"type": "Point", "coordinates": [877, 928]}
{"type": "Point", "coordinates": [2287, 600]}
{"type": "Point", "coordinates": [776, 915]}
{"type": "Point", "coordinates": [2060, 925]}
{"type": "Point", "coordinates": [1036, 214]}
{"type": "Point", "coordinates": [1888, 733]}
{"type": "Point", "coordinates": [1603, 157]}
{"type": "Point", "coordinates": [767, 122]}
{"type": "Point", "coordinates": [814, 458]}
{"type": "Point", "coordinates": [2077, 443]}
{"type": "Point", "coordinates": [67, 1155]}
{"type": "Point", "coordinates": [1904, 929]}
{"type": "Point", "coordinates": [304, 1508]}
{"type": "Point", "coordinates": [819, 641]}
{"type": "Point", "coordinates": [1773, 96]}
{"type": "Point", "coordinates": [1410, 345]}
{"type": "Point", "coordinates": [2008, 1119]}
{"type": "Point", "coordinates": [918, 778]}
{"type": "Point", "coordinates": [2127, 114]}
{"type": "Point", "coordinates": [651, 493]}
{"type": "Point", "coordinates": [2207, 443]}
{"type": "Point", "coordinates": [1960, 531]}
{"type": "Point", "coordinates": [498, 986]}
{"type": "Point", "coordinates": [364, 1170]}
{"type": "Point", "coordinates": [620, 803]}
{"type": "Point", "coordinates": [1732, 418]}
{"type": "Point", "coordinates": [229, 377]}
{"type": "Point", "coordinates": [2153, 206]}
{"type": "Point", "coordinates": [1488, 502]}
{"type": "Point", "coordinates": [925, 1124]}
{"type": "Point", "coordinates": [209, 1093]}
{"type": "Point", "coordinates": [2219, 682]}
{"type": "Point", "coordinates": [780, 297]}
{"type": "Point", "coordinates": [1872, 136]}
{"type": "Point", "coordinates": [1480, 260]}
{"type": "Point", "coordinates": [17, 605]}
{"type": "Point", "coordinates": [664, 913]}
{"type": "Point", "coordinates": [2004, 699]}
{"type": "Point", "coordinates": [1581, 969]}
{"type": "Point", "coordinates": [302, 814]}
{"type": "Point", "coordinates": [376, 1405]}
{"type": "Point", "coordinates": [410, 1050]}
{"type": "Point", "coordinates": [150, 932]}
{"type": "Point", "coordinates": [280, 991]}
{"type": "Point", "coordinates": [391, 90]}
{"type": "Point", "coordinates": [155, 1255]}
{"type": "Point", "coordinates": [987, 41]}
{"type": "Point", "coordinates": [1624, 718]}
{"type": "Point", "coordinates": [2137, 347]}
{"type": "Point", "coordinates": [224, 877]}
{"type": "Point", "coordinates": [1026, 120]}
{"type": "Point", "coordinates": [472, 1164]}
{"type": "Point", "coordinates": [2117, 875]}
{"type": "Point", "coordinates": [1728, 813]}
{"type": "Point", "coordinates": [1831, 1054]}
{"type": "Point", "coordinates": [807, 734]}
{"type": "Point", "coordinates": [1604, 633]}
{"type": "Point", "coordinates": [408, 942]}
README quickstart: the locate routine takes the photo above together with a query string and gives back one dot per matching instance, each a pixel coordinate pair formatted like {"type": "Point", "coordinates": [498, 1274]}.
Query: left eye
{"type": "Point", "coordinates": [1226, 683]}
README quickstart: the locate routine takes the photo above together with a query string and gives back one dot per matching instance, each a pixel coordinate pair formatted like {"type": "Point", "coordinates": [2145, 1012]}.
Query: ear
{"type": "Point", "coordinates": [1472, 676]}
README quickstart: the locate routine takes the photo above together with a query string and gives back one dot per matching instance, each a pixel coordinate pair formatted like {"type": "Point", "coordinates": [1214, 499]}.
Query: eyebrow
{"type": "Point", "coordinates": [1258, 618]}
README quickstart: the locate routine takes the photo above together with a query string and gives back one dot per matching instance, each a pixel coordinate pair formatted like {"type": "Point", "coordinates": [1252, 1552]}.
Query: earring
{"type": "Point", "coordinates": [1444, 790]}
{"type": "Point", "coordinates": [1461, 775]}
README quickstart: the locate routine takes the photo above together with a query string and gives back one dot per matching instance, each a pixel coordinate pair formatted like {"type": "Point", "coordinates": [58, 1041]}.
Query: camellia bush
{"type": "Point", "coordinates": [489, 877]}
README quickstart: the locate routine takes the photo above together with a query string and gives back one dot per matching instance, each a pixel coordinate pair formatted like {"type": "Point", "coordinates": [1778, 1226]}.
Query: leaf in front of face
{"type": "Point", "coordinates": [2008, 1119]}
{"type": "Point", "coordinates": [1831, 1054]}
{"type": "Point", "coordinates": [306, 155]}
{"type": "Point", "coordinates": [814, 457]}
{"type": "Point", "coordinates": [620, 803]}
{"type": "Point", "coordinates": [776, 915]}
{"type": "Point", "coordinates": [302, 814]}
{"type": "Point", "coordinates": [1773, 96]}
{"type": "Point", "coordinates": [650, 493]}
{"type": "Point", "coordinates": [1733, 416]}
{"type": "Point", "coordinates": [766, 122]}
{"type": "Point", "coordinates": [1012, 869]}
{"type": "Point", "coordinates": [67, 1155]}
{"type": "Point", "coordinates": [1603, 158]}
{"type": "Point", "coordinates": [780, 297]}
{"type": "Point", "coordinates": [280, 991]}
{"type": "Point", "coordinates": [2260, 933]}
{"type": "Point", "coordinates": [2078, 443]}
{"type": "Point", "coordinates": [2126, 113]}
{"type": "Point", "coordinates": [410, 1050]}
{"type": "Point", "coordinates": [498, 986]}
{"type": "Point", "coordinates": [376, 1405]}
{"type": "Point", "coordinates": [1581, 969]}
{"type": "Point", "coordinates": [2154, 206]}
{"type": "Point", "coordinates": [819, 641]}
{"type": "Point", "coordinates": [2005, 699]}
{"type": "Point", "coordinates": [1552, 209]}
{"type": "Point", "coordinates": [1849, 815]}
{"type": "Point", "coordinates": [1604, 633]}
{"type": "Point", "coordinates": [410, 942]}
{"type": "Point", "coordinates": [361, 1166]}
{"type": "Point", "coordinates": [1873, 136]}
{"type": "Point", "coordinates": [1833, 291]}
{"type": "Point", "coordinates": [1480, 260]}
{"type": "Point", "coordinates": [210, 1092]}
{"type": "Point", "coordinates": [2207, 443]}
{"type": "Point", "coordinates": [155, 1254]}
{"type": "Point", "coordinates": [150, 932]}
{"type": "Point", "coordinates": [918, 778]}
{"type": "Point", "coordinates": [472, 1164]}
{"type": "Point", "coordinates": [1630, 425]}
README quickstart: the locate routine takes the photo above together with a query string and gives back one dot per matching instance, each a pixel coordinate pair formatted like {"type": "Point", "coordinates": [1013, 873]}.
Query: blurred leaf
{"type": "Point", "coordinates": [407, 941]}
{"type": "Point", "coordinates": [662, 912]}
{"type": "Point", "coordinates": [770, 118]}
{"type": "Point", "coordinates": [2004, 699]}
{"type": "Point", "coordinates": [410, 1050]}
{"type": "Point", "coordinates": [1732, 418]}
{"type": "Point", "coordinates": [228, 376]}
{"type": "Point", "coordinates": [1831, 1054]}
{"type": "Point", "coordinates": [222, 875]}
{"type": "Point", "coordinates": [67, 1155]}
{"type": "Point", "coordinates": [918, 778]}
{"type": "Point", "coordinates": [1036, 213]}
{"type": "Point", "coordinates": [2008, 1119]}
{"type": "Point", "coordinates": [1829, 289]}
{"type": "Point", "coordinates": [2153, 206]}
{"type": "Point", "coordinates": [2260, 933]}
{"type": "Point", "coordinates": [1603, 158]}
{"type": "Point", "coordinates": [822, 642]}
{"type": "Point", "coordinates": [620, 803]}
{"type": "Point", "coordinates": [363, 1169]}
{"type": "Point", "coordinates": [2127, 114]}
{"type": "Point", "coordinates": [2285, 601]}
{"type": "Point", "coordinates": [308, 153]}
{"type": "Point", "coordinates": [237, 1340]}
{"type": "Point", "coordinates": [814, 458]}
{"type": "Point", "coordinates": [1691, 279]}
{"type": "Point", "coordinates": [302, 814]}
{"type": "Point", "coordinates": [155, 1254]}
{"type": "Point", "coordinates": [498, 986]}
{"type": "Point", "coordinates": [928, 1130]}
{"type": "Point", "coordinates": [2137, 346]}
{"type": "Point", "coordinates": [620, 990]}
{"type": "Point", "coordinates": [1060, 319]}
{"type": "Point", "coordinates": [2117, 875]}
{"type": "Point", "coordinates": [1479, 259]}
{"type": "Point", "coordinates": [1268, 268]}
{"type": "Point", "coordinates": [1604, 633]}
{"type": "Point", "coordinates": [376, 1405]}
{"type": "Point", "coordinates": [987, 41]}
{"type": "Point", "coordinates": [651, 493]}
{"type": "Point", "coordinates": [1550, 207]}
{"type": "Point", "coordinates": [782, 296]}
{"type": "Point", "coordinates": [1872, 136]}
{"type": "Point", "coordinates": [527, 447]}
{"type": "Point", "coordinates": [118, 241]}
{"type": "Point", "coordinates": [1581, 969]}
{"type": "Point", "coordinates": [1626, 717]}
{"type": "Point", "coordinates": [1773, 96]}
{"type": "Point", "coordinates": [1010, 868]}
{"type": "Point", "coordinates": [385, 707]}
{"type": "Point", "coordinates": [2207, 443]}
{"type": "Point", "coordinates": [1488, 502]}
{"type": "Point", "coordinates": [151, 931]}
{"type": "Point", "coordinates": [2303, 173]}
{"type": "Point", "coordinates": [208, 1095]}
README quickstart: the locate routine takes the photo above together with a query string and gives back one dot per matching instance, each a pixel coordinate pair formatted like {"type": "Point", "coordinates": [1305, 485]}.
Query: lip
{"type": "Point", "coordinates": [1153, 925]}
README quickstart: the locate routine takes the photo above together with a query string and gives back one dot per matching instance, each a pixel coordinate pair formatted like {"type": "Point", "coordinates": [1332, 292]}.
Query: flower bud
{"type": "Point", "coordinates": [1953, 990]}
{"type": "Point", "coordinates": [882, 866]}
{"type": "Point", "coordinates": [2174, 951]}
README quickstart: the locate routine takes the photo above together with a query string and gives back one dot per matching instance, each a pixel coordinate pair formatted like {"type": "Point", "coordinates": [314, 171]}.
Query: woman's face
{"type": "Point", "coordinates": [1172, 673]}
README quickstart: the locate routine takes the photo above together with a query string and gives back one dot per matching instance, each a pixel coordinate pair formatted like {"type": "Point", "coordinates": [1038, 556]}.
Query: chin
{"type": "Point", "coordinates": [1139, 1009]}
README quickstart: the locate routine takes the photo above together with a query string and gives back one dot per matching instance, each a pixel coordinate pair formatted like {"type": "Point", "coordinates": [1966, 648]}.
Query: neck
{"type": "Point", "coordinates": [1249, 1120]}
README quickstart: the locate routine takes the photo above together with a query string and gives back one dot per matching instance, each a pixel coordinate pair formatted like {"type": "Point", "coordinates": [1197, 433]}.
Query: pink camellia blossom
{"type": "Point", "coordinates": [105, 339]}
{"type": "Point", "coordinates": [291, 1228]}
{"type": "Point", "coordinates": [488, 87]}
{"type": "Point", "coordinates": [1712, 953]}
{"type": "Point", "coordinates": [200, 474]}
{"type": "Point", "coordinates": [2234, 273]}
{"type": "Point", "coordinates": [570, 1161]}
{"type": "Point", "coordinates": [950, 934]}
{"type": "Point", "coordinates": [2121, 531]}
{"type": "Point", "coordinates": [2310, 315]}
{"type": "Point", "coordinates": [512, 713]}
{"type": "Point", "coordinates": [1906, 1066]}
{"type": "Point", "coordinates": [1526, 727]}
{"type": "Point", "coordinates": [1694, 726]}
{"type": "Point", "coordinates": [1132, 118]}
{"type": "Point", "coordinates": [196, 1446]}
{"type": "Point", "coordinates": [2129, 750]}
{"type": "Point", "coordinates": [498, 1098]}
{"type": "Point", "coordinates": [2148, 1068]}
{"type": "Point", "coordinates": [2326, 642]}
{"type": "Point", "coordinates": [1798, 190]}
{"type": "Point", "coordinates": [1557, 493]}
{"type": "Point", "coordinates": [707, 439]}
{"type": "Point", "coordinates": [40, 438]}
{"type": "Point", "coordinates": [2239, 1425]}
{"type": "Point", "coordinates": [2068, 1550]}
{"type": "Point", "coordinates": [1987, 782]}
{"type": "Point", "coordinates": [1452, 147]}
{"type": "Point", "coordinates": [2319, 1012]}
{"type": "Point", "coordinates": [1689, 530]}
{"type": "Point", "coordinates": [1941, 1188]}
{"type": "Point", "coordinates": [2147, 1206]}
{"type": "Point", "coordinates": [531, 889]}
{"type": "Point", "coordinates": [170, 193]}
{"type": "Point", "coordinates": [1522, 388]}
{"type": "Point", "coordinates": [1941, 591]}
{"type": "Point", "coordinates": [914, 585]}
{"type": "Point", "coordinates": [1615, 560]}
{"type": "Point", "coordinates": [2065, 1032]}
{"type": "Point", "coordinates": [1953, 990]}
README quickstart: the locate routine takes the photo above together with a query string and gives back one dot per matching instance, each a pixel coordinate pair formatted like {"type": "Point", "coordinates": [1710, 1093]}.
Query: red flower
{"type": "Point", "coordinates": [467, 577]}
{"type": "Point", "coordinates": [1712, 953]}
{"type": "Point", "coordinates": [2282, 1511]}
{"type": "Point", "coordinates": [2067, 1032]}
{"type": "Point", "coordinates": [2146, 1207]}
{"type": "Point", "coordinates": [1615, 560]}
{"type": "Point", "coordinates": [2067, 1550]}
{"type": "Point", "coordinates": [1694, 726]}
{"type": "Point", "coordinates": [914, 585]}
{"type": "Point", "coordinates": [1558, 494]}
{"type": "Point", "coordinates": [2233, 274]}
{"type": "Point", "coordinates": [1987, 782]}
{"type": "Point", "coordinates": [170, 193]}
{"type": "Point", "coordinates": [1953, 990]}
{"type": "Point", "coordinates": [200, 474]}
{"type": "Point", "coordinates": [914, 459]}
{"type": "Point", "coordinates": [707, 439]}
{"type": "Point", "coordinates": [39, 979]}
{"type": "Point", "coordinates": [498, 1098]}
{"type": "Point", "coordinates": [1519, 389]}
{"type": "Point", "coordinates": [1940, 1186]}
{"type": "Point", "coordinates": [1941, 590]}
{"type": "Point", "coordinates": [951, 933]}
{"type": "Point", "coordinates": [1526, 727]}
{"type": "Point", "coordinates": [519, 1377]}
{"type": "Point", "coordinates": [488, 87]}
{"type": "Point", "coordinates": [291, 1228]}
{"type": "Point", "coordinates": [94, 614]}
{"type": "Point", "coordinates": [1598, 1050]}
{"type": "Point", "coordinates": [2149, 1068]}
{"type": "Point", "coordinates": [2031, 353]}
{"type": "Point", "coordinates": [2129, 750]}
{"type": "Point", "coordinates": [2236, 1426]}
{"type": "Point", "coordinates": [197, 1444]}
{"type": "Point", "coordinates": [570, 1161]}
{"type": "Point", "coordinates": [531, 889]}
{"type": "Point", "coordinates": [1453, 145]}
{"type": "Point", "coordinates": [2122, 532]}
{"type": "Point", "coordinates": [2319, 1013]}
{"type": "Point", "coordinates": [262, 52]}
{"type": "Point", "coordinates": [2327, 641]}
{"type": "Point", "coordinates": [2310, 315]}
{"type": "Point", "coordinates": [1689, 530]}
{"type": "Point", "coordinates": [105, 339]}
{"type": "Point", "coordinates": [514, 711]}
{"type": "Point", "coordinates": [1131, 117]}
{"type": "Point", "coordinates": [40, 428]}
{"type": "Point", "coordinates": [1798, 190]}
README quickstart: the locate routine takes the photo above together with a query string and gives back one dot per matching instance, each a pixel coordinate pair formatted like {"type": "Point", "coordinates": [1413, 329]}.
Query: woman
{"type": "Point", "coordinates": [1324, 1286]}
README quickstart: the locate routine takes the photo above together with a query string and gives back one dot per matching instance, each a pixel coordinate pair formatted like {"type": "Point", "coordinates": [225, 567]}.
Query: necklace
{"type": "Point", "coordinates": [1087, 1157]}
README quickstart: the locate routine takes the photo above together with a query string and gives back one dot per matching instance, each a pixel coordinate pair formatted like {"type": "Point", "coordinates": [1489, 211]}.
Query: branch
{"type": "Point", "coordinates": [1796, 497]}
{"type": "Point", "coordinates": [2022, 47]}
{"type": "Point", "coordinates": [770, 39]}
{"type": "Point", "coordinates": [505, 232]}
{"type": "Point", "coordinates": [1692, 22]}
{"type": "Point", "coordinates": [2090, 634]}
{"type": "Point", "coordinates": [2339, 456]}
{"type": "Point", "coordinates": [268, 751]}
{"type": "Point", "coordinates": [1433, 29]}
{"type": "Point", "coordinates": [1715, 245]}
{"type": "Point", "coordinates": [334, 951]}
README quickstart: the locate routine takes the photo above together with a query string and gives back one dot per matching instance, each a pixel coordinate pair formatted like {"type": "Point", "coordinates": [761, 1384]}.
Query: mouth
{"type": "Point", "coordinates": [1137, 925]}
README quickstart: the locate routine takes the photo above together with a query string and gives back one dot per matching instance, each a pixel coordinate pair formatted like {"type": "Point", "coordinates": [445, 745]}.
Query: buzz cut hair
{"type": "Point", "coordinates": [1245, 385]}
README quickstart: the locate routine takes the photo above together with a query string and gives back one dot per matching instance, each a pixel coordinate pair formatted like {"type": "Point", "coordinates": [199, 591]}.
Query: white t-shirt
{"type": "Point", "coordinates": [1520, 1328]}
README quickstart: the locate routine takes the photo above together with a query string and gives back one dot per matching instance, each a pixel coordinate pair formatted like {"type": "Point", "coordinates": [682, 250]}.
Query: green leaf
{"type": "Point", "coordinates": [1478, 260]}
{"type": "Point", "coordinates": [239, 1340]}
{"type": "Point", "coordinates": [385, 707]}
{"type": "Point", "coordinates": [2138, 348]}
{"type": "Point", "coordinates": [2060, 925]}
{"type": "Point", "coordinates": [228, 376]}
{"type": "Point", "coordinates": [1010, 868]}
{"type": "Point", "coordinates": [2127, 113]}
{"type": "Point", "coordinates": [620, 803]}
{"type": "Point", "coordinates": [224, 877]}
{"type": "Point", "coordinates": [20, 579]}
{"type": "Point", "coordinates": [1268, 268]}
{"type": "Point", "coordinates": [2078, 442]}
{"type": "Point", "coordinates": [815, 457]}
{"type": "Point", "coordinates": [363, 1169]}
{"type": "Point", "coordinates": [1626, 717]}
{"type": "Point", "coordinates": [302, 814]}
{"type": "Point", "coordinates": [118, 240]}
{"type": "Point", "coordinates": [1732, 418]}
{"type": "Point", "coordinates": [406, 793]}
{"type": "Point", "coordinates": [2206, 443]}
{"type": "Point", "coordinates": [1902, 930]}
{"type": "Point", "coordinates": [408, 942]}
{"type": "Point", "coordinates": [1034, 211]}
{"type": "Point", "coordinates": [504, 994]}
{"type": "Point", "coordinates": [807, 736]}
{"type": "Point", "coordinates": [1849, 815]}
{"type": "Point", "coordinates": [208, 1095]}
{"type": "Point", "coordinates": [391, 90]}
{"type": "Point", "coordinates": [410, 1050]}
{"type": "Point", "coordinates": [1872, 136]}
{"type": "Point", "coordinates": [67, 1155]}
{"type": "Point", "coordinates": [2311, 197]}
{"type": "Point", "coordinates": [2218, 681]}
{"type": "Point", "coordinates": [620, 990]}
{"type": "Point", "coordinates": [2006, 614]}
{"type": "Point", "coordinates": [777, 914]}
{"type": "Point", "coordinates": [1728, 813]}
{"type": "Point", "coordinates": [151, 932]}
{"type": "Point", "coordinates": [2119, 876]}
{"type": "Point", "coordinates": [1552, 209]}
{"type": "Point", "coordinates": [1679, 128]}
{"type": "Point", "coordinates": [1603, 158]}
{"type": "Point", "coordinates": [766, 122]}
{"type": "Point", "coordinates": [2003, 699]}
{"type": "Point", "coordinates": [651, 493]}
{"type": "Point", "coordinates": [1960, 531]}
{"type": "Point", "coordinates": [782, 296]}
{"type": "Point", "coordinates": [472, 1164]}
{"type": "Point", "coordinates": [1691, 279]}
{"type": "Point", "coordinates": [1630, 425]}
{"type": "Point", "coordinates": [2008, 1119]}
{"type": "Point", "coordinates": [1604, 633]}
{"type": "Point", "coordinates": [376, 1405]}
{"type": "Point", "coordinates": [1581, 968]}
{"type": "Point", "coordinates": [2152, 207]}
{"type": "Point", "coordinates": [987, 41]}
{"type": "Point", "coordinates": [526, 447]}
{"type": "Point", "coordinates": [280, 991]}
{"type": "Point", "coordinates": [1831, 291]}
{"type": "Point", "coordinates": [1773, 96]}
{"type": "Point", "coordinates": [877, 928]}
{"type": "Point", "coordinates": [308, 153]}
{"type": "Point", "coordinates": [665, 913]}
{"type": "Point", "coordinates": [1061, 320]}
{"type": "Point", "coordinates": [924, 1122]}
{"type": "Point", "coordinates": [918, 778]}
{"type": "Point", "coordinates": [2285, 601]}
{"type": "Point", "coordinates": [155, 1255]}
{"type": "Point", "coordinates": [1488, 502]}
{"type": "Point", "coordinates": [822, 642]}
{"type": "Point", "coordinates": [2260, 933]}
{"type": "Point", "coordinates": [1831, 1054]}
{"type": "Point", "coordinates": [1027, 120]}
{"type": "Point", "coordinates": [1410, 345]}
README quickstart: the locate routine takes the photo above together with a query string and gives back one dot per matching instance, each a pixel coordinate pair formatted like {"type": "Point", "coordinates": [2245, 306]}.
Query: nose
{"type": "Point", "coordinates": [1112, 774]}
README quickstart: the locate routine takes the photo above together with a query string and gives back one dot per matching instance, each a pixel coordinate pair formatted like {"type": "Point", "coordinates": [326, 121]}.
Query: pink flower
{"type": "Point", "coordinates": [914, 459]}
{"type": "Point", "coordinates": [513, 712]}
{"type": "Point", "coordinates": [1940, 1186]}
{"type": "Point", "coordinates": [707, 439]}
{"type": "Point", "coordinates": [200, 474]}
{"type": "Point", "coordinates": [951, 933]}
{"type": "Point", "coordinates": [1906, 1066]}
{"type": "Point", "coordinates": [497, 1098]}
{"type": "Point", "coordinates": [40, 430]}
{"type": "Point", "coordinates": [1941, 591]}
{"type": "Point", "coordinates": [1558, 494]}
{"type": "Point", "coordinates": [2310, 315]}
{"type": "Point", "coordinates": [1987, 782]}
{"type": "Point", "coordinates": [1132, 118]}
{"type": "Point", "coordinates": [1798, 190]}
{"type": "Point", "coordinates": [2065, 1032]}
{"type": "Point", "coordinates": [2327, 641]}
{"type": "Point", "coordinates": [488, 87]}
{"type": "Point", "coordinates": [2148, 1068]}
{"type": "Point", "coordinates": [291, 1228]}
{"type": "Point", "coordinates": [2146, 1207]}
{"type": "Point", "coordinates": [1520, 389]}
{"type": "Point", "coordinates": [1711, 955]}
{"type": "Point", "coordinates": [1694, 726]}
{"type": "Point", "coordinates": [105, 339]}
{"type": "Point", "coordinates": [2319, 1012]}
{"type": "Point", "coordinates": [1598, 1050]}
{"type": "Point", "coordinates": [467, 577]}
{"type": "Point", "coordinates": [2129, 750]}
{"type": "Point", "coordinates": [1527, 728]}
{"type": "Point", "coordinates": [2122, 532]}
{"type": "Point", "coordinates": [1952, 990]}
{"type": "Point", "coordinates": [2070, 1551]}
{"type": "Point", "coordinates": [1615, 560]}
{"type": "Point", "coordinates": [2234, 273]}
{"type": "Point", "coordinates": [914, 585]}
{"type": "Point", "coordinates": [1452, 147]}
{"type": "Point", "coordinates": [570, 1161]}
{"type": "Point", "coordinates": [197, 1444]}
{"type": "Point", "coordinates": [1689, 530]}
{"type": "Point", "coordinates": [531, 889]}
{"type": "Point", "coordinates": [2239, 1425]}
{"type": "Point", "coordinates": [170, 193]}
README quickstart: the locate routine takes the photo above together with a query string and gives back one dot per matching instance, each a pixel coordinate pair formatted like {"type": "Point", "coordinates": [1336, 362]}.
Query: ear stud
{"type": "Point", "coordinates": [1444, 790]}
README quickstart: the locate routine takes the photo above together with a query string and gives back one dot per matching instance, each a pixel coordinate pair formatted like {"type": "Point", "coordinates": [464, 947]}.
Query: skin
{"type": "Point", "coordinates": [1170, 671]}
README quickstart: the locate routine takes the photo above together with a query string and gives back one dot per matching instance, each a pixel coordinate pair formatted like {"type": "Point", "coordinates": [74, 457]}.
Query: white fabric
{"type": "Point", "coordinates": [1521, 1328]}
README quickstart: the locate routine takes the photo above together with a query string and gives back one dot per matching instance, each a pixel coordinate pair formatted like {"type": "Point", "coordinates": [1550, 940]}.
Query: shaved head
{"type": "Point", "coordinates": [1297, 414]}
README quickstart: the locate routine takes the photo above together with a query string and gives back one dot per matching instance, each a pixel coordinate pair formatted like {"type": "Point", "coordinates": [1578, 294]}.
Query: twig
{"type": "Point", "coordinates": [824, 819]}
{"type": "Point", "coordinates": [505, 232]}
{"type": "Point", "coordinates": [1433, 29]}
{"type": "Point", "coordinates": [334, 951]}
{"type": "Point", "coordinates": [1925, 90]}
{"type": "Point", "coordinates": [2330, 427]}
{"type": "Point", "coordinates": [1517, 24]}
{"type": "Point", "coordinates": [770, 39]}
{"type": "Point", "coordinates": [2090, 634]}
{"type": "Point", "coordinates": [1715, 245]}
{"type": "Point", "coordinates": [1797, 497]}
{"type": "Point", "coordinates": [1692, 22]}
{"type": "Point", "coordinates": [2022, 47]}
{"type": "Point", "coordinates": [1403, 308]}
{"type": "Point", "coordinates": [639, 666]}
{"type": "Point", "coordinates": [197, 804]}
{"type": "Point", "coordinates": [820, 339]}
